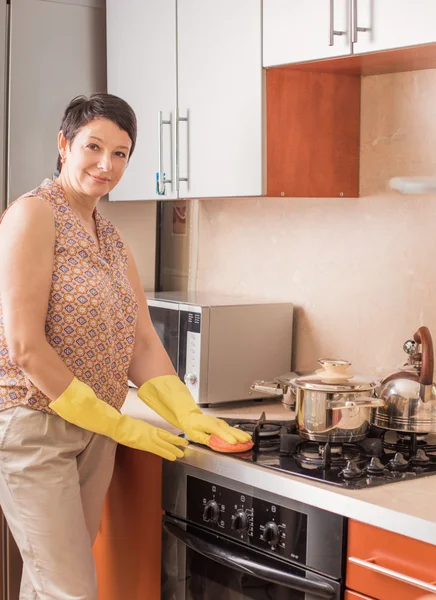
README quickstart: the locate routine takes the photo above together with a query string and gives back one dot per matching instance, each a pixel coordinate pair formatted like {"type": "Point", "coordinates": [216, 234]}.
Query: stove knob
{"type": "Point", "coordinates": [271, 533]}
{"type": "Point", "coordinates": [211, 511]}
{"type": "Point", "coordinates": [240, 520]}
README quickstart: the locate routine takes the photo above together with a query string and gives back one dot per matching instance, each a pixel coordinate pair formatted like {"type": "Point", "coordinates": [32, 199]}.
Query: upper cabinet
{"type": "Point", "coordinates": [192, 71]}
{"type": "Point", "coordinates": [388, 24]}
{"type": "Point", "coordinates": [297, 31]}
{"type": "Point", "coordinates": [141, 69]}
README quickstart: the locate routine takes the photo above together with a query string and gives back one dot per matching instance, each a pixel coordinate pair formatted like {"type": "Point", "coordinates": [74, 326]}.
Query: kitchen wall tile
{"type": "Point", "coordinates": [137, 224]}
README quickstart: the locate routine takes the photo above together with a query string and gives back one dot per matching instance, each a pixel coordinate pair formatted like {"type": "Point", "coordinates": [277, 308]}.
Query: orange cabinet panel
{"type": "Point", "coordinates": [349, 595]}
{"type": "Point", "coordinates": [128, 547]}
{"type": "Point", "coordinates": [313, 129]}
{"type": "Point", "coordinates": [388, 560]}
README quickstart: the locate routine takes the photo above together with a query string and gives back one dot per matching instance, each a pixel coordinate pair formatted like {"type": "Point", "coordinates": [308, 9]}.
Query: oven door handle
{"type": "Point", "coordinates": [247, 561]}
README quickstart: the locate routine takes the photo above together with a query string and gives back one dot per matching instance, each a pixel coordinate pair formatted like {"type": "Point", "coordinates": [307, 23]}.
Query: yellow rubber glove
{"type": "Point", "coordinates": [79, 405]}
{"type": "Point", "coordinates": [172, 400]}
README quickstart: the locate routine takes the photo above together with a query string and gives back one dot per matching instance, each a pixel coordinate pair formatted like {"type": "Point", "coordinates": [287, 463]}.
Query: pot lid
{"type": "Point", "coordinates": [334, 376]}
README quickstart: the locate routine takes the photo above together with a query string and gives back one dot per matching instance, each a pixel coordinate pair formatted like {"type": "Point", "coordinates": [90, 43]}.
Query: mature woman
{"type": "Point", "coordinates": [74, 326]}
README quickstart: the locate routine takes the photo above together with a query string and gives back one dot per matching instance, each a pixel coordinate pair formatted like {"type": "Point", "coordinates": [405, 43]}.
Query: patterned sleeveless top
{"type": "Point", "coordinates": [92, 310]}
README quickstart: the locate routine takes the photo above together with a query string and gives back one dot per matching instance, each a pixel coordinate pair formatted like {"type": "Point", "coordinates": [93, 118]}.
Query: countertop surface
{"type": "Point", "coordinates": [406, 507]}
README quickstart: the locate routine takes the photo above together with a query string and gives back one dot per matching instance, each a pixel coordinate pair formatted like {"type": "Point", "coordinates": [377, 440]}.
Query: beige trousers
{"type": "Point", "coordinates": [53, 480]}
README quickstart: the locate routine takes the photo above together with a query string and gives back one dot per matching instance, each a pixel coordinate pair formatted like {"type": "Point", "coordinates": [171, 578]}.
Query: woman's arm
{"type": "Point", "coordinates": [149, 356]}
{"type": "Point", "coordinates": [27, 238]}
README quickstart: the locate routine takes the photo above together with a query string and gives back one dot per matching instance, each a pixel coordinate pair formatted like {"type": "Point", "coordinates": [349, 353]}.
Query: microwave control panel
{"type": "Point", "coordinates": [190, 348]}
{"type": "Point", "coordinates": [260, 524]}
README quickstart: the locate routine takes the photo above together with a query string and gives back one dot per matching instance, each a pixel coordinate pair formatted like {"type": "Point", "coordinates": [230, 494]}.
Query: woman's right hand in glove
{"type": "Point", "coordinates": [79, 405]}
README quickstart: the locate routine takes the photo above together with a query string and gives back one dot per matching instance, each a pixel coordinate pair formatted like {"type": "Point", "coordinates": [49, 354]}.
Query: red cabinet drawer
{"type": "Point", "coordinates": [385, 565]}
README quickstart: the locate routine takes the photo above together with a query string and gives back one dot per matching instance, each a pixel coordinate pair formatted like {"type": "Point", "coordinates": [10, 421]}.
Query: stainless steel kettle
{"type": "Point", "coordinates": [409, 395]}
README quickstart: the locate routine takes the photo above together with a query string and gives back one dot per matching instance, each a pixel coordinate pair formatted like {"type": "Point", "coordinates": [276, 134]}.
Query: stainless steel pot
{"type": "Point", "coordinates": [333, 404]}
{"type": "Point", "coordinates": [409, 396]}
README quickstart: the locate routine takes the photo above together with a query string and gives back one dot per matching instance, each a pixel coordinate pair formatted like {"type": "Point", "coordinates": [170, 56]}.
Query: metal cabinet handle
{"type": "Point", "coordinates": [332, 30]}
{"type": "Point", "coordinates": [370, 564]}
{"type": "Point", "coordinates": [161, 179]}
{"type": "Point", "coordinates": [354, 27]}
{"type": "Point", "coordinates": [178, 121]}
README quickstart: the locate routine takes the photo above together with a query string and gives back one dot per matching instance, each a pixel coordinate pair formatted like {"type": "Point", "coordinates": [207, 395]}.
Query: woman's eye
{"type": "Point", "coordinates": [122, 154]}
{"type": "Point", "coordinates": [93, 146]}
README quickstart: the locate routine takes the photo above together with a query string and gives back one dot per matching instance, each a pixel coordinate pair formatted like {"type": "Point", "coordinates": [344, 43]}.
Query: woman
{"type": "Point", "coordinates": [74, 326]}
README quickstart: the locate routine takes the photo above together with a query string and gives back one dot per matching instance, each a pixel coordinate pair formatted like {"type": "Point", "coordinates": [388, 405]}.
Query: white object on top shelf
{"type": "Point", "coordinates": [414, 185]}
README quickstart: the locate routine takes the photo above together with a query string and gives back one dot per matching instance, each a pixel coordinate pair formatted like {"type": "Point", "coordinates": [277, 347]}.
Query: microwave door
{"type": "Point", "coordinates": [166, 321]}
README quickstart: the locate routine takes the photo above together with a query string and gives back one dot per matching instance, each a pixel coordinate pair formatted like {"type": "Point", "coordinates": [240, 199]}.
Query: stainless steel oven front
{"type": "Point", "coordinates": [224, 540]}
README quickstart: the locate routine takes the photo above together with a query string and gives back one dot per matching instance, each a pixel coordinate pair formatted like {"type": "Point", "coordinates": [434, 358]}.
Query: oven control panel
{"type": "Point", "coordinates": [246, 518]}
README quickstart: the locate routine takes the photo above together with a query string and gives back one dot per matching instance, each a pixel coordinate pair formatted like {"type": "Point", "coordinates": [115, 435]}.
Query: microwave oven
{"type": "Point", "coordinates": [219, 345]}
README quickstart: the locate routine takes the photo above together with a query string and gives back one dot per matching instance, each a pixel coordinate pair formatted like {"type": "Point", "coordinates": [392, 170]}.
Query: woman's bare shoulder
{"type": "Point", "coordinates": [31, 216]}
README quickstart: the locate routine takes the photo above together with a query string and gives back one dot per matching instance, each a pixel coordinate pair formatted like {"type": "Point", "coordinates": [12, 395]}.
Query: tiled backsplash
{"type": "Point", "coordinates": [361, 272]}
{"type": "Point", "coordinates": [137, 224]}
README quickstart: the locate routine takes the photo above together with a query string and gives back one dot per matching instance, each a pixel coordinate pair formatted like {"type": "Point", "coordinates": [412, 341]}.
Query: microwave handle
{"type": "Point", "coordinates": [247, 561]}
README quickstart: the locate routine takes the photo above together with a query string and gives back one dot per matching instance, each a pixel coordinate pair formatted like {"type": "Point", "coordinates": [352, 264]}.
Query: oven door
{"type": "Point", "coordinates": [200, 565]}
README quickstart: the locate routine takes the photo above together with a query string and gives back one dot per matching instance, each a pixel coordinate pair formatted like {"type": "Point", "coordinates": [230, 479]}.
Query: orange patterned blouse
{"type": "Point", "coordinates": [92, 310]}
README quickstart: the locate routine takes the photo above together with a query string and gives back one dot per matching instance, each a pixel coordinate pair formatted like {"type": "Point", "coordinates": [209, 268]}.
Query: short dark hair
{"type": "Point", "coordinates": [81, 110]}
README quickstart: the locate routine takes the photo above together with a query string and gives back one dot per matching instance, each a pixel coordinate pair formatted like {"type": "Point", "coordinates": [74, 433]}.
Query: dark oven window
{"type": "Point", "coordinates": [208, 580]}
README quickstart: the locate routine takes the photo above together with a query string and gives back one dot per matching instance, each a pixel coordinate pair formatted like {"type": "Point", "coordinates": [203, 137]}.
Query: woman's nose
{"type": "Point", "coordinates": [105, 162]}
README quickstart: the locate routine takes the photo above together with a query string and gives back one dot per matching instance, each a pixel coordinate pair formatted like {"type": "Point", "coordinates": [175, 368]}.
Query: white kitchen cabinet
{"type": "Point", "coordinates": [394, 24]}
{"type": "Point", "coordinates": [220, 89]}
{"type": "Point", "coordinates": [141, 69]}
{"type": "Point", "coordinates": [302, 30]}
{"type": "Point", "coordinates": [200, 60]}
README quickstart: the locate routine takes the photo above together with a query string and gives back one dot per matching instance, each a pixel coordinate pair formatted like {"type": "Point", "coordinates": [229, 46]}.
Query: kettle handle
{"type": "Point", "coordinates": [423, 337]}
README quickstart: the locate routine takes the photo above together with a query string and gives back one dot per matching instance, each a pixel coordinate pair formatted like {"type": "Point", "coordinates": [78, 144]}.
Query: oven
{"type": "Point", "coordinates": [224, 540]}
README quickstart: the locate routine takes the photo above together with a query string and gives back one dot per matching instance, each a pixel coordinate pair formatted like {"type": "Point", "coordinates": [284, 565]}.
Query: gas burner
{"type": "Point", "coordinates": [266, 430]}
{"type": "Point", "coordinates": [411, 445]}
{"type": "Point", "coordinates": [318, 455]}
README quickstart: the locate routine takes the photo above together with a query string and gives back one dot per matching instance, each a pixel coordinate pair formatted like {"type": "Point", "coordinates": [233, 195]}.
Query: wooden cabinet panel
{"type": "Point", "coordinates": [313, 134]}
{"type": "Point", "coordinates": [349, 595]}
{"type": "Point", "coordinates": [402, 556]}
{"type": "Point", "coordinates": [128, 547]}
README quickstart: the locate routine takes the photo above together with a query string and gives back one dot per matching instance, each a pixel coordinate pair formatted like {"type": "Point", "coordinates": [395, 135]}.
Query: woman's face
{"type": "Point", "coordinates": [97, 158]}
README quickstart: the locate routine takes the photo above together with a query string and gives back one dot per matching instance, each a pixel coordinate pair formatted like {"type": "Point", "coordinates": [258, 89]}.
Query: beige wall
{"type": "Point", "coordinates": [137, 224]}
{"type": "Point", "coordinates": [361, 272]}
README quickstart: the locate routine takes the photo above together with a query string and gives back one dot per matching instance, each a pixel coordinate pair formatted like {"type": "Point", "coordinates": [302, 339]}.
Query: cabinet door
{"type": "Point", "coordinates": [387, 566]}
{"type": "Point", "coordinates": [50, 63]}
{"type": "Point", "coordinates": [220, 89]}
{"type": "Point", "coordinates": [141, 59]}
{"type": "Point", "coordinates": [394, 24]}
{"type": "Point", "coordinates": [296, 31]}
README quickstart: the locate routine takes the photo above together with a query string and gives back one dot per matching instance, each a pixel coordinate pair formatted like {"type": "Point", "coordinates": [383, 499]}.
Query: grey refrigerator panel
{"type": "Point", "coordinates": [57, 52]}
{"type": "Point", "coordinates": [50, 52]}
{"type": "Point", "coordinates": [4, 12]}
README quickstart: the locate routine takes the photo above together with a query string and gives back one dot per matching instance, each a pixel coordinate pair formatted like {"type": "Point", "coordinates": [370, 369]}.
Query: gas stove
{"type": "Point", "coordinates": [383, 457]}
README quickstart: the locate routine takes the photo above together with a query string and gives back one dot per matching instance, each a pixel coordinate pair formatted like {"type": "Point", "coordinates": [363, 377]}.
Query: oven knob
{"type": "Point", "coordinates": [190, 379]}
{"type": "Point", "coordinates": [211, 511]}
{"type": "Point", "coordinates": [240, 520]}
{"type": "Point", "coordinates": [271, 533]}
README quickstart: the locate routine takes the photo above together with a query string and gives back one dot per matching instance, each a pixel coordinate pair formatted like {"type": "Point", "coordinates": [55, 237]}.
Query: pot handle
{"type": "Point", "coordinates": [362, 402]}
{"type": "Point", "coordinates": [423, 337]}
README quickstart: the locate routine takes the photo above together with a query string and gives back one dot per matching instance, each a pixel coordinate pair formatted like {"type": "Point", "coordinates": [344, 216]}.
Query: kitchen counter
{"type": "Point", "coordinates": [407, 508]}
